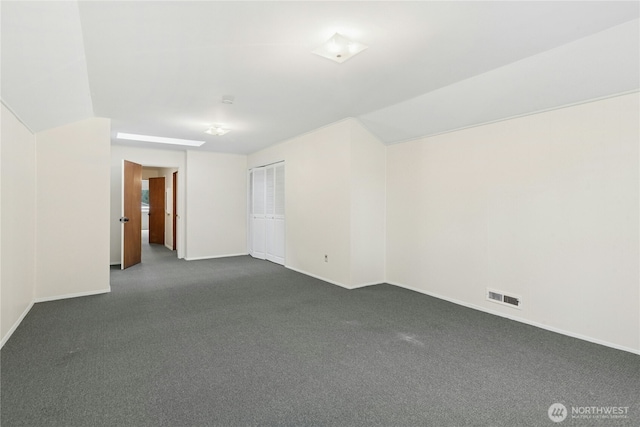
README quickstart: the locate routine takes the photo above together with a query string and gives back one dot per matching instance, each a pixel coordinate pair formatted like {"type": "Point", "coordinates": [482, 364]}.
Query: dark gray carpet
{"type": "Point", "coordinates": [239, 341]}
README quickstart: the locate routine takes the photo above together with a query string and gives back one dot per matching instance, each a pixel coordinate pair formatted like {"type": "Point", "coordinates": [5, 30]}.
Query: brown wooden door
{"type": "Point", "coordinates": [156, 210]}
{"type": "Point", "coordinates": [131, 215]}
{"type": "Point", "coordinates": [175, 209]}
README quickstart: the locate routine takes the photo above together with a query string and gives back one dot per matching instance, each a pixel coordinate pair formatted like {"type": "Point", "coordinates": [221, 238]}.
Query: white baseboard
{"type": "Point", "coordinates": [364, 285]}
{"type": "Point", "coordinates": [333, 282]}
{"type": "Point", "coordinates": [198, 258]}
{"type": "Point", "coordinates": [79, 294]}
{"type": "Point", "coordinates": [15, 325]}
{"type": "Point", "coordinates": [520, 319]}
{"type": "Point", "coordinates": [324, 279]}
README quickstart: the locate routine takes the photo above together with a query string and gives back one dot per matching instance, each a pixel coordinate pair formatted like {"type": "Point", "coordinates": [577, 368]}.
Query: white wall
{"type": "Point", "coordinates": [216, 205]}
{"type": "Point", "coordinates": [72, 224]}
{"type": "Point", "coordinates": [150, 172]}
{"type": "Point", "coordinates": [317, 200]}
{"type": "Point", "coordinates": [144, 156]}
{"type": "Point", "coordinates": [216, 189]}
{"type": "Point", "coordinates": [18, 222]}
{"type": "Point", "coordinates": [334, 202]}
{"type": "Point", "coordinates": [544, 206]}
{"type": "Point", "coordinates": [368, 175]}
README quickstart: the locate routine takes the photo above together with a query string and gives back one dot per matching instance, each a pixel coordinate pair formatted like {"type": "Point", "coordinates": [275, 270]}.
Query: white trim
{"type": "Point", "coordinates": [15, 325]}
{"type": "Point", "coordinates": [198, 258]}
{"type": "Point", "coordinates": [342, 285]}
{"type": "Point", "coordinates": [16, 116]}
{"type": "Point", "coordinates": [520, 319]}
{"type": "Point", "coordinates": [168, 247]}
{"type": "Point", "coordinates": [364, 285]}
{"type": "Point", "coordinates": [324, 279]}
{"type": "Point", "coordinates": [75, 295]}
{"type": "Point", "coordinates": [333, 282]}
{"type": "Point", "coordinates": [249, 205]}
{"type": "Point", "coordinates": [120, 223]}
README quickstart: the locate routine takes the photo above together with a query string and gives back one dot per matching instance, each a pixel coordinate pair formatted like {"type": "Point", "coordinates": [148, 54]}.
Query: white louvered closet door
{"type": "Point", "coordinates": [267, 213]}
{"type": "Point", "coordinates": [275, 213]}
{"type": "Point", "coordinates": [258, 214]}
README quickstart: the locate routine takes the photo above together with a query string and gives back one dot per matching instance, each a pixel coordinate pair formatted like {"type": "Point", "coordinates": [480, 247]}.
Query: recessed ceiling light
{"type": "Point", "coordinates": [159, 139]}
{"type": "Point", "coordinates": [339, 48]}
{"type": "Point", "coordinates": [216, 130]}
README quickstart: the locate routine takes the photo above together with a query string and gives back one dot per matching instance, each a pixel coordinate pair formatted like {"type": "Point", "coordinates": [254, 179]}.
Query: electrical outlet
{"type": "Point", "coordinates": [326, 258]}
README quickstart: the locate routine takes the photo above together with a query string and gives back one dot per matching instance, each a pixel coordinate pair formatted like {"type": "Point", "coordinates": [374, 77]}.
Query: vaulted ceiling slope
{"type": "Point", "coordinates": [161, 68]}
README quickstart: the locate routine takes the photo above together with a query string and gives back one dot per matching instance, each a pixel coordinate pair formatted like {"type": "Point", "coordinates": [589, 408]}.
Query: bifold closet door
{"type": "Point", "coordinates": [266, 189]}
{"type": "Point", "coordinates": [275, 214]}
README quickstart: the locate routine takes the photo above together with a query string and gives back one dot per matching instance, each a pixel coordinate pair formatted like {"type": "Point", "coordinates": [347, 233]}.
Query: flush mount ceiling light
{"type": "Point", "coordinates": [159, 139]}
{"type": "Point", "coordinates": [216, 130]}
{"type": "Point", "coordinates": [339, 48]}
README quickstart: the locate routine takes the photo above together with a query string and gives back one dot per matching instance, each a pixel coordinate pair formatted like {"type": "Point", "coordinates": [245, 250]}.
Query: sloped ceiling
{"type": "Point", "coordinates": [161, 68]}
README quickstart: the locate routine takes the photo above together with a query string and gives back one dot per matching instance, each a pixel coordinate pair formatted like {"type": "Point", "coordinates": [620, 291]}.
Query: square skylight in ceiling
{"type": "Point", "coordinates": [158, 139]}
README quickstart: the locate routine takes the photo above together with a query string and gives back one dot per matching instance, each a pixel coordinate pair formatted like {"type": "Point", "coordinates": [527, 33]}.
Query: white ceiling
{"type": "Point", "coordinates": [161, 68]}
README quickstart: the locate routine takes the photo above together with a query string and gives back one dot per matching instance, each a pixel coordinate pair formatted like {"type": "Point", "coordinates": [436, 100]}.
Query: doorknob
{"type": "Point", "coordinates": [124, 219]}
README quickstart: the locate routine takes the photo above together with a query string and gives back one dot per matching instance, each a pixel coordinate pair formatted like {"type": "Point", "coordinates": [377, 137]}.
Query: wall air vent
{"type": "Point", "coordinates": [501, 298]}
{"type": "Point", "coordinates": [495, 296]}
{"type": "Point", "coordinates": [511, 300]}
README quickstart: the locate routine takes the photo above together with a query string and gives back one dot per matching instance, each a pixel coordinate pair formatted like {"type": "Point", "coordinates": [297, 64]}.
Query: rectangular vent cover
{"type": "Point", "coordinates": [495, 296]}
{"type": "Point", "coordinates": [501, 298]}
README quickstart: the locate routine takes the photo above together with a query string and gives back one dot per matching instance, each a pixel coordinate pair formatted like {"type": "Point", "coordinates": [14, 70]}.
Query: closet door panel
{"type": "Point", "coordinates": [258, 216]}
{"type": "Point", "coordinates": [278, 241]}
{"type": "Point", "coordinates": [259, 238]}
{"type": "Point", "coordinates": [270, 237]}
